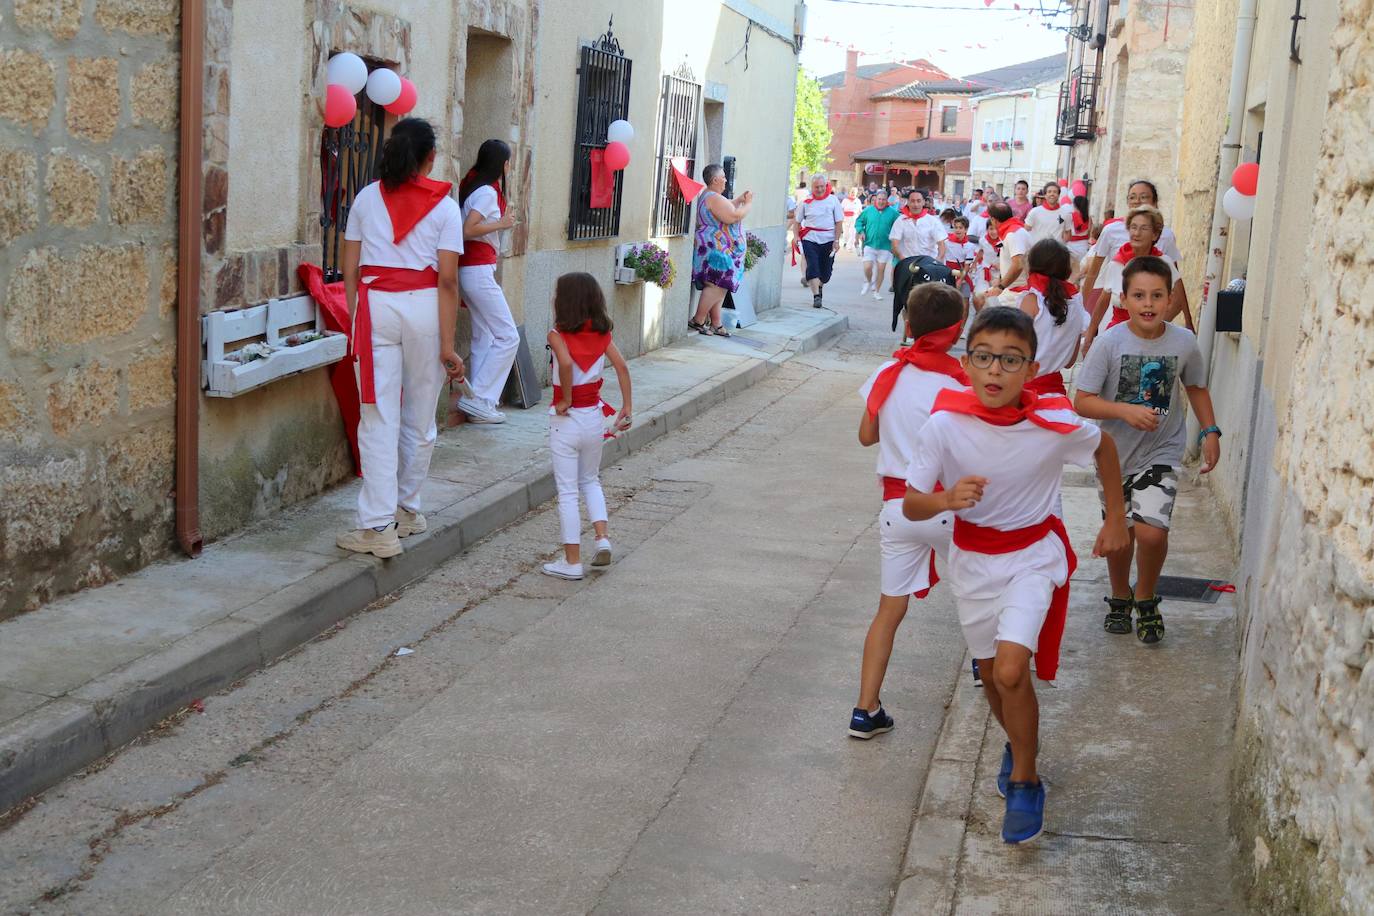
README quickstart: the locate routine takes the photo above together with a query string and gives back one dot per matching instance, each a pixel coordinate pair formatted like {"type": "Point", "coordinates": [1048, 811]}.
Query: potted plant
{"type": "Point", "coordinates": [651, 264]}
{"type": "Point", "coordinates": [755, 250]}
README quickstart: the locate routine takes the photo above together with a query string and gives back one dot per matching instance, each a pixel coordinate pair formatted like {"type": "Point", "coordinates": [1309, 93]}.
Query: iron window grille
{"type": "Point", "coordinates": [1077, 107]}
{"type": "Point", "coordinates": [603, 96]}
{"type": "Point", "coordinates": [350, 157]}
{"type": "Point", "coordinates": [677, 137]}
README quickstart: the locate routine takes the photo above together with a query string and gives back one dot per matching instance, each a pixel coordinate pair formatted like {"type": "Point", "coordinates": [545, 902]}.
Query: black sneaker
{"type": "Point", "coordinates": [816, 301]}
{"type": "Point", "coordinates": [863, 724]}
{"type": "Point", "coordinates": [977, 675]}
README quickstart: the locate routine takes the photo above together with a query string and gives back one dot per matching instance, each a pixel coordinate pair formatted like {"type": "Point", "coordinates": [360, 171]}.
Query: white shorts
{"type": "Point", "coordinates": [876, 256]}
{"type": "Point", "coordinates": [1016, 616]}
{"type": "Point", "coordinates": [906, 548]}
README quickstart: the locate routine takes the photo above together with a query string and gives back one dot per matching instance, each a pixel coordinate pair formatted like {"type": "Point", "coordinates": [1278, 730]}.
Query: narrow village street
{"type": "Point", "coordinates": [667, 736]}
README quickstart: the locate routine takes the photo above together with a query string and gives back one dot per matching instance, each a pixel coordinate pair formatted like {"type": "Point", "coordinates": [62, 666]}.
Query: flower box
{"type": "Point", "coordinates": [248, 348]}
{"type": "Point", "coordinates": [986, 146]}
{"type": "Point", "coordinates": [1019, 144]}
{"type": "Point", "coordinates": [623, 275]}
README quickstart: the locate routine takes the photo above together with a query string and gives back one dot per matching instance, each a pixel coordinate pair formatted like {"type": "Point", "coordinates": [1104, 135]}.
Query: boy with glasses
{"type": "Point", "coordinates": [1000, 451]}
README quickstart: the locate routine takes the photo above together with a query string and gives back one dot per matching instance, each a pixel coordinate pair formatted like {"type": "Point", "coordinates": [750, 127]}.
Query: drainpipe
{"type": "Point", "coordinates": [1230, 157]}
{"type": "Point", "coordinates": [188, 277]}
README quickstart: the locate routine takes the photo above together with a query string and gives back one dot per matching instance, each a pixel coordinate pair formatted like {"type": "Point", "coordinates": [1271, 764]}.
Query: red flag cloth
{"type": "Point", "coordinates": [929, 352]}
{"type": "Point", "coordinates": [689, 187]}
{"type": "Point", "coordinates": [603, 182]}
{"type": "Point", "coordinates": [382, 280]}
{"type": "Point", "coordinates": [978, 539]}
{"type": "Point", "coordinates": [334, 306]}
{"type": "Point", "coordinates": [411, 202]}
{"type": "Point", "coordinates": [1029, 408]}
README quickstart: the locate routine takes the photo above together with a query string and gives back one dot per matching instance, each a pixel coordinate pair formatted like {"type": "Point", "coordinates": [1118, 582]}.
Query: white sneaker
{"type": "Point", "coordinates": [562, 569]}
{"type": "Point", "coordinates": [603, 553]}
{"type": "Point", "coordinates": [480, 413]}
{"type": "Point", "coordinates": [408, 523]}
{"type": "Point", "coordinates": [864, 289]}
{"type": "Point", "coordinates": [877, 296]}
{"type": "Point", "coordinates": [382, 543]}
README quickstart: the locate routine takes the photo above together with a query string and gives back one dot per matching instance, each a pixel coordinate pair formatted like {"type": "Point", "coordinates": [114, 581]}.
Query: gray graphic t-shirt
{"type": "Point", "coordinates": [1126, 368]}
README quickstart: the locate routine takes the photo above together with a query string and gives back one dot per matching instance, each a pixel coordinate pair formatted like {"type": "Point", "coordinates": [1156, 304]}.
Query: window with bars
{"type": "Point", "coordinates": [349, 161]}
{"type": "Point", "coordinates": [677, 139]}
{"type": "Point", "coordinates": [603, 96]}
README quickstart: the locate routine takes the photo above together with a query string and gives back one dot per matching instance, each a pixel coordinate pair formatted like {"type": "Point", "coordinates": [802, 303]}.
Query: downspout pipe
{"type": "Point", "coordinates": [1229, 159]}
{"type": "Point", "coordinates": [189, 190]}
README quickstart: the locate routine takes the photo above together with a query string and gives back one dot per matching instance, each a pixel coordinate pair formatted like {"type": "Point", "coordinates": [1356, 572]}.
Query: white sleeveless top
{"type": "Point", "coordinates": [1056, 343]}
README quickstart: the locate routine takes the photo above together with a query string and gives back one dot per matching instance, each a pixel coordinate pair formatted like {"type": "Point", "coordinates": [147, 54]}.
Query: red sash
{"type": "Point", "coordinates": [586, 395]}
{"type": "Point", "coordinates": [978, 539]}
{"type": "Point", "coordinates": [478, 252]}
{"type": "Point", "coordinates": [929, 352]}
{"type": "Point", "coordinates": [586, 347]}
{"type": "Point", "coordinates": [385, 280]}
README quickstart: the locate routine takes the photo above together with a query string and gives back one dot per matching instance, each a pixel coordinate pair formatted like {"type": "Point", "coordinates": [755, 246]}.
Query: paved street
{"type": "Point", "coordinates": [667, 736]}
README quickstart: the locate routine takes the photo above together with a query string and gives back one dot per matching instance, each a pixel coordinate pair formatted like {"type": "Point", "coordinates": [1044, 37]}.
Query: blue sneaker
{"type": "Point", "coordinates": [1004, 774]}
{"type": "Point", "coordinates": [1025, 817]}
{"type": "Point", "coordinates": [865, 725]}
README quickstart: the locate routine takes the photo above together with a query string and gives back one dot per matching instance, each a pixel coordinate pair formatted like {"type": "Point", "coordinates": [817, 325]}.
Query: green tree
{"type": "Point", "coordinates": [810, 133]}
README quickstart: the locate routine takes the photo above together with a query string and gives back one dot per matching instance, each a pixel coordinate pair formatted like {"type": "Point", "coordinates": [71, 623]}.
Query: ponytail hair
{"type": "Point", "coordinates": [490, 168]}
{"type": "Point", "coordinates": [411, 143]}
{"type": "Point", "coordinates": [1080, 203]}
{"type": "Point", "coordinates": [1051, 258]}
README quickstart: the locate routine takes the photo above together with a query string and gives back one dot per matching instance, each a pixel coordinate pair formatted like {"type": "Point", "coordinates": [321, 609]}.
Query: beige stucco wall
{"type": "Point", "coordinates": [1037, 160]}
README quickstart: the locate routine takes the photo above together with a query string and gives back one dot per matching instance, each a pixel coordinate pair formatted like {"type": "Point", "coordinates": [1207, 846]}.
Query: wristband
{"type": "Point", "coordinates": [1207, 432]}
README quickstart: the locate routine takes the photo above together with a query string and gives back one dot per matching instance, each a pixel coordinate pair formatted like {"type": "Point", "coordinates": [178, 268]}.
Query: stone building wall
{"type": "Point", "coordinates": [88, 121]}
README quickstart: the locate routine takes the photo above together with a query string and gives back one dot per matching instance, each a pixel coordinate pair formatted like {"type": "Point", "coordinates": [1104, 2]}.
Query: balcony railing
{"type": "Point", "coordinates": [1078, 107]}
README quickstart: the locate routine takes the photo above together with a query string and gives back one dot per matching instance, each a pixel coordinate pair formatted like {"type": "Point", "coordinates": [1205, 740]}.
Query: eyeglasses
{"type": "Point", "coordinates": [983, 359]}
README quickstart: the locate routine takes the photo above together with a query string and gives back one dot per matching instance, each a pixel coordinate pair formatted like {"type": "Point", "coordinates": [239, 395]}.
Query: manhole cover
{"type": "Point", "coordinates": [1188, 588]}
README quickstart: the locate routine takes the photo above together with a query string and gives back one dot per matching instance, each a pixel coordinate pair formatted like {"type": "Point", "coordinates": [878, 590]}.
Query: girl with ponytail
{"type": "Point", "coordinates": [495, 338]}
{"type": "Point", "coordinates": [400, 266]}
{"type": "Point", "coordinates": [1056, 309]}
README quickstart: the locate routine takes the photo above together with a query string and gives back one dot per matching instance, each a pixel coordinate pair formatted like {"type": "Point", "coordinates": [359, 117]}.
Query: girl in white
{"type": "Point", "coordinates": [401, 248]}
{"type": "Point", "coordinates": [581, 344]}
{"type": "Point", "coordinates": [1056, 308]}
{"type": "Point", "coordinates": [495, 338]}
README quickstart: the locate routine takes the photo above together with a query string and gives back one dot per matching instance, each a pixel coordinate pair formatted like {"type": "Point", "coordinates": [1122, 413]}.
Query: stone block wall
{"type": "Point", "coordinates": [88, 142]}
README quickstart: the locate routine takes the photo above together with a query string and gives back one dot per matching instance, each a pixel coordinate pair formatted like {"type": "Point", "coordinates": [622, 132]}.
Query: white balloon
{"type": "Point", "coordinates": [620, 132]}
{"type": "Point", "coordinates": [347, 70]}
{"type": "Point", "coordinates": [1238, 205]}
{"type": "Point", "coordinates": [383, 86]}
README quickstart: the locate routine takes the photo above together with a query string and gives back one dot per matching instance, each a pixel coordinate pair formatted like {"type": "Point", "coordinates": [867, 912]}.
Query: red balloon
{"type": "Point", "coordinates": [339, 106]}
{"type": "Point", "coordinates": [1063, 182]}
{"type": "Point", "coordinates": [405, 101]}
{"type": "Point", "coordinates": [617, 155]}
{"type": "Point", "coordinates": [1245, 178]}
{"type": "Point", "coordinates": [1079, 189]}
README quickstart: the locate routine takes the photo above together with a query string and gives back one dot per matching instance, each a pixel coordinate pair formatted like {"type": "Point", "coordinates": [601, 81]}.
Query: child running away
{"type": "Point", "coordinates": [897, 402]}
{"type": "Point", "coordinates": [581, 343]}
{"type": "Point", "coordinates": [1000, 451]}
{"type": "Point", "coordinates": [1130, 382]}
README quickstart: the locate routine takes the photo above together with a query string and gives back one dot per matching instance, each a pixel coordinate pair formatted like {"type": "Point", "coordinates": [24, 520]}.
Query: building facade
{"type": "Point", "coordinates": [88, 215]}
{"type": "Point", "coordinates": [1013, 131]}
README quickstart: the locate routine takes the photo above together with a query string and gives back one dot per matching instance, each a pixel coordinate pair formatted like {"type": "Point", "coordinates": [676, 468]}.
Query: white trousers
{"type": "Point", "coordinates": [575, 441]}
{"type": "Point", "coordinates": [396, 435]}
{"type": "Point", "coordinates": [494, 335]}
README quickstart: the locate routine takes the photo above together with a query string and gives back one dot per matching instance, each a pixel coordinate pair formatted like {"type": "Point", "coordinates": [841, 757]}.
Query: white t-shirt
{"type": "Point", "coordinates": [917, 236]}
{"type": "Point", "coordinates": [1115, 234]}
{"type": "Point", "coordinates": [1023, 464]}
{"type": "Point", "coordinates": [903, 414]}
{"type": "Point", "coordinates": [1017, 243]}
{"type": "Point", "coordinates": [1056, 343]}
{"type": "Point", "coordinates": [960, 251]}
{"type": "Point", "coordinates": [1045, 223]}
{"type": "Point", "coordinates": [820, 216]}
{"type": "Point", "coordinates": [988, 272]}
{"type": "Point", "coordinates": [484, 201]}
{"type": "Point", "coordinates": [370, 223]}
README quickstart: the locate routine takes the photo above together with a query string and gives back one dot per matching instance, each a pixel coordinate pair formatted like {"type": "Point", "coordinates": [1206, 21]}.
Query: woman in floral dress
{"type": "Point", "coordinates": [718, 257]}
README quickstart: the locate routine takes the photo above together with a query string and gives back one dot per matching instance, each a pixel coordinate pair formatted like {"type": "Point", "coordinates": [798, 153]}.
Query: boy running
{"type": "Point", "coordinates": [898, 397]}
{"type": "Point", "coordinates": [1130, 382]}
{"type": "Point", "coordinates": [1001, 451]}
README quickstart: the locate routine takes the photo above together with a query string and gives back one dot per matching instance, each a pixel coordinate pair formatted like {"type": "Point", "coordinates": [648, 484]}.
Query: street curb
{"type": "Point", "coordinates": [43, 747]}
{"type": "Point", "coordinates": [930, 867]}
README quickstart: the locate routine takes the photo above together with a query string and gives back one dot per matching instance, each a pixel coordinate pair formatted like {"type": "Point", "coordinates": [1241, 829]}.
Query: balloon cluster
{"type": "Point", "coordinates": [618, 137]}
{"type": "Point", "coordinates": [348, 76]}
{"type": "Point", "coordinates": [1239, 199]}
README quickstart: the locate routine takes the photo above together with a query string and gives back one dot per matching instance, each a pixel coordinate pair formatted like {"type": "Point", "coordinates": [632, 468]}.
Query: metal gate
{"type": "Point", "coordinates": [603, 96]}
{"type": "Point", "coordinates": [349, 160]}
{"type": "Point", "coordinates": [677, 138]}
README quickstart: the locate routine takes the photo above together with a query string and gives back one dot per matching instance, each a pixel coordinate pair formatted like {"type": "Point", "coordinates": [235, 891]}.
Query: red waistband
{"type": "Point", "coordinates": [893, 488]}
{"type": "Point", "coordinates": [1049, 383]}
{"type": "Point", "coordinates": [381, 280]}
{"type": "Point", "coordinates": [588, 395]}
{"type": "Point", "coordinates": [477, 253]}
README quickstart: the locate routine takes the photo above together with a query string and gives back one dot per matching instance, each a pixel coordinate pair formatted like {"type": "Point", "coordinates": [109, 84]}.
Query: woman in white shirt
{"type": "Point", "coordinates": [495, 338]}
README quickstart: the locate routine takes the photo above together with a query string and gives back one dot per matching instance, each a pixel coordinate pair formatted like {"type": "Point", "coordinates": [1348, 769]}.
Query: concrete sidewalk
{"type": "Point", "coordinates": [1135, 742]}
{"type": "Point", "coordinates": [90, 672]}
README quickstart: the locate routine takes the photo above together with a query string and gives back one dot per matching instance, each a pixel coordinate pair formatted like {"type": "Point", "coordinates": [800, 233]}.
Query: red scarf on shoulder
{"type": "Point", "coordinates": [1029, 408]}
{"type": "Point", "coordinates": [929, 352]}
{"type": "Point", "coordinates": [1005, 230]}
{"type": "Point", "coordinates": [1041, 284]}
{"type": "Point", "coordinates": [411, 202]}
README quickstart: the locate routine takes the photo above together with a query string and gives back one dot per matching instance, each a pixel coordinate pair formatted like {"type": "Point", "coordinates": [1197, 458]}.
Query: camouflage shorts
{"type": "Point", "coordinates": [1150, 496]}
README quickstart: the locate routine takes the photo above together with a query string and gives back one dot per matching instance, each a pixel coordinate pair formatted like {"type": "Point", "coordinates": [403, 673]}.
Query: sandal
{"type": "Point", "coordinates": [1118, 615]}
{"type": "Point", "coordinates": [1149, 625]}
{"type": "Point", "coordinates": [700, 328]}
{"type": "Point", "coordinates": [719, 331]}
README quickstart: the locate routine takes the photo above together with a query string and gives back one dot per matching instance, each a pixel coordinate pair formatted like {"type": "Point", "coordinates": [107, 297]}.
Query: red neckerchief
{"type": "Point", "coordinates": [586, 346]}
{"type": "Point", "coordinates": [929, 352]}
{"type": "Point", "coordinates": [1126, 252]}
{"type": "Point", "coordinates": [1051, 209]}
{"type": "Point", "coordinates": [1041, 284]}
{"type": "Point", "coordinates": [813, 198]}
{"type": "Point", "coordinates": [1005, 229]}
{"type": "Point", "coordinates": [1114, 219]}
{"type": "Point", "coordinates": [956, 241]}
{"type": "Point", "coordinates": [1030, 408]}
{"type": "Point", "coordinates": [411, 202]}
